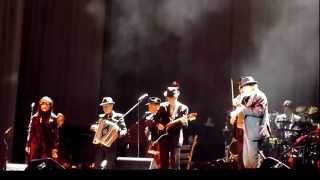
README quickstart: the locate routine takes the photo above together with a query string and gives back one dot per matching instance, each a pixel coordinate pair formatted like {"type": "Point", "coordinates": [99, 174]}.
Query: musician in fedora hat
{"type": "Point", "coordinates": [169, 111]}
{"type": "Point", "coordinates": [256, 123]}
{"type": "Point", "coordinates": [108, 153]}
{"type": "Point", "coordinates": [153, 105]}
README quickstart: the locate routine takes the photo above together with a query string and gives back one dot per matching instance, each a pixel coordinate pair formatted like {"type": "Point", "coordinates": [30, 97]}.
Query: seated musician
{"type": "Point", "coordinates": [108, 153]}
{"type": "Point", "coordinates": [287, 121]}
{"type": "Point", "coordinates": [170, 145]}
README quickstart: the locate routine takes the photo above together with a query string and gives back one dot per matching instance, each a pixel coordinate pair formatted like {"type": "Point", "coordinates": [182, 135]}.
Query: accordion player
{"type": "Point", "coordinates": [109, 127]}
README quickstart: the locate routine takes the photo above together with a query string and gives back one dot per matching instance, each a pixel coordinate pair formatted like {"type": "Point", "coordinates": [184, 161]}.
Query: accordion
{"type": "Point", "coordinates": [106, 133]}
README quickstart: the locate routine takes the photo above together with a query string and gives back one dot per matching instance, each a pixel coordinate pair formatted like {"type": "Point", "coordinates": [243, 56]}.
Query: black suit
{"type": "Point", "coordinates": [173, 142]}
{"type": "Point", "coordinates": [109, 153]}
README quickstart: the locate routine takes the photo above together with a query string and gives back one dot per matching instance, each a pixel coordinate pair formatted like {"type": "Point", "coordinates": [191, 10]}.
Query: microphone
{"type": "Point", "coordinates": [143, 96]}
{"type": "Point", "coordinates": [8, 131]}
{"type": "Point", "coordinates": [32, 105]}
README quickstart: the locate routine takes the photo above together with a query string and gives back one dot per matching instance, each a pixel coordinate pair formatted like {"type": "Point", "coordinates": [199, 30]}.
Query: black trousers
{"type": "Point", "coordinates": [169, 154]}
{"type": "Point", "coordinates": [105, 153]}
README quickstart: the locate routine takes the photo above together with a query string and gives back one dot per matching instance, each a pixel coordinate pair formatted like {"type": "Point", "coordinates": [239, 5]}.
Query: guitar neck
{"type": "Point", "coordinates": [176, 121]}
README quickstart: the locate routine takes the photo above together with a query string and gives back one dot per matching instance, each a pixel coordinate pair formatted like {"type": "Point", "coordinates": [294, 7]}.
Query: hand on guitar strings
{"type": "Point", "coordinates": [160, 127]}
{"type": "Point", "coordinates": [235, 113]}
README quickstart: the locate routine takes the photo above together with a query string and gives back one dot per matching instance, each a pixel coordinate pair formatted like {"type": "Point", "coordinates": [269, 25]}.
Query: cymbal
{"type": "Point", "coordinates": [274, 114]}
{"type": "Point", "coordinates": [283, 121]}
{"type": "Point", "coordinates": [292, 130]}
{"type": "Point", "coordinates": [312, 110]}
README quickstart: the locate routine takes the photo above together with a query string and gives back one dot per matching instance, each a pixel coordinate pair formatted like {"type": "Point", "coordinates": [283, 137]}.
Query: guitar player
{"type": "Point", "coordinates": [164, 120]}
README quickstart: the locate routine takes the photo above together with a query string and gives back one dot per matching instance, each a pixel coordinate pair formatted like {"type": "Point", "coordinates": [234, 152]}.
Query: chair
{"type": "Point", "coordinates": [187, 153]}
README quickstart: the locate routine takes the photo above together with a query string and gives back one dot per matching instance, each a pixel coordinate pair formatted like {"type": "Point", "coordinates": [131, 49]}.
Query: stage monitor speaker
{"type": "Point", "coordinates": [135, 163]}
{"type": "Point", "coordinates": [44, 164]}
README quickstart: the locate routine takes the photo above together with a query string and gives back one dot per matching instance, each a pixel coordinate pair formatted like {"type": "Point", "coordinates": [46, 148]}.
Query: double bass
{"type": "Point", "coordinates": [235, 147]}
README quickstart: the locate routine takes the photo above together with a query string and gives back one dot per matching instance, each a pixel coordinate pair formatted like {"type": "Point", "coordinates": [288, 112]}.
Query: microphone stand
{"type": "Point", "coordinates": [5, 140]}
{"type": "Point", "coordinates": [138, 123]}
{"type": "Point", "coordinates": [131, 109]}
{"type": "Point", "coordinates": [31, 114]}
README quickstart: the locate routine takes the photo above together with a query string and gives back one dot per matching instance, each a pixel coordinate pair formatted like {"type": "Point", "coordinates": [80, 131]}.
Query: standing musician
{"type": "Point", "coordinates": [43, 137]}
{"type": "Point", "coordinates": [254, 107]}
{"type": "Point", "coordinates": [108, 153]}
{"type": "Point", "coordinates": [166, 121]}
{"type": "Point", "coordinates": [153, 106]}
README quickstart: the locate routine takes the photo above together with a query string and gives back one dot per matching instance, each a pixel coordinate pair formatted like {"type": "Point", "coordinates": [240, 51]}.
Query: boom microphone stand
{"type": "Point", "coordinates": [140, 99]}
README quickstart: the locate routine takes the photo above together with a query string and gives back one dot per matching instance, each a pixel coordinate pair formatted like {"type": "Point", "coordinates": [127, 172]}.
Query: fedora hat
{"type": "Point", "coordinates": [153, 100]}
{"type": "Point", "coordinates": [107, 100]}
{"type": "Point", "coordinates": [171, 92]}
{"type": "Point", "coordinates": [247, 80]}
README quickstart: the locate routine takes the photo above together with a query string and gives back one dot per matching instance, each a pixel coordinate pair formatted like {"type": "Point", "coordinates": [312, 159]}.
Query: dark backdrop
{"type": "Point", "coordinates": [78, 51]}
{"type": "Point", "coordinates": [10, 42]}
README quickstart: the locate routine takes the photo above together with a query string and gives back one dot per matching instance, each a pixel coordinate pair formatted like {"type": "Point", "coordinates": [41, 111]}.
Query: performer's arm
{"type": "Point", "coordinates": [180, 122]}
{"type": "Point", "coordinates": [254, 111]}
{"type": "Point", "coordinates": [123, 127]}
{"type": "Point", "coordinates": [94, 126]}
{"type": "Point", "coordinates": [255, 106]}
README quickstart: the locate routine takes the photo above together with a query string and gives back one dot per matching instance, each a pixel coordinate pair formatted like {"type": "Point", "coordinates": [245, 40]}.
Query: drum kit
{"type": "Point", "coordinates": [297, 144]}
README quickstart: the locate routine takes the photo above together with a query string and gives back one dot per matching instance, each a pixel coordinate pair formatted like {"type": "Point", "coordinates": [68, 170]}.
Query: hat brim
{"type": "Point", "coordinates": [152, 103]}
{"type": "Point", "coordinates": [170, 95]}
{"type": "Point", "coordinates": [249, 83]}
{"type": "Point", "coordinates": [101, 104]}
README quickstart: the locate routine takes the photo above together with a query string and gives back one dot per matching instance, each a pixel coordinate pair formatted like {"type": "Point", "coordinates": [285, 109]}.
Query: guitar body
{"type": "Point", "coordinates": [171, 125]}
{"type": "Point", "coordinates": [236, 145]}
{"type": "Point", "coordinates": [240, 121]}
{"type": "Point", "coordinates": [154, 146]}
{"type": "Point", "coordinates": [238, 126]}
